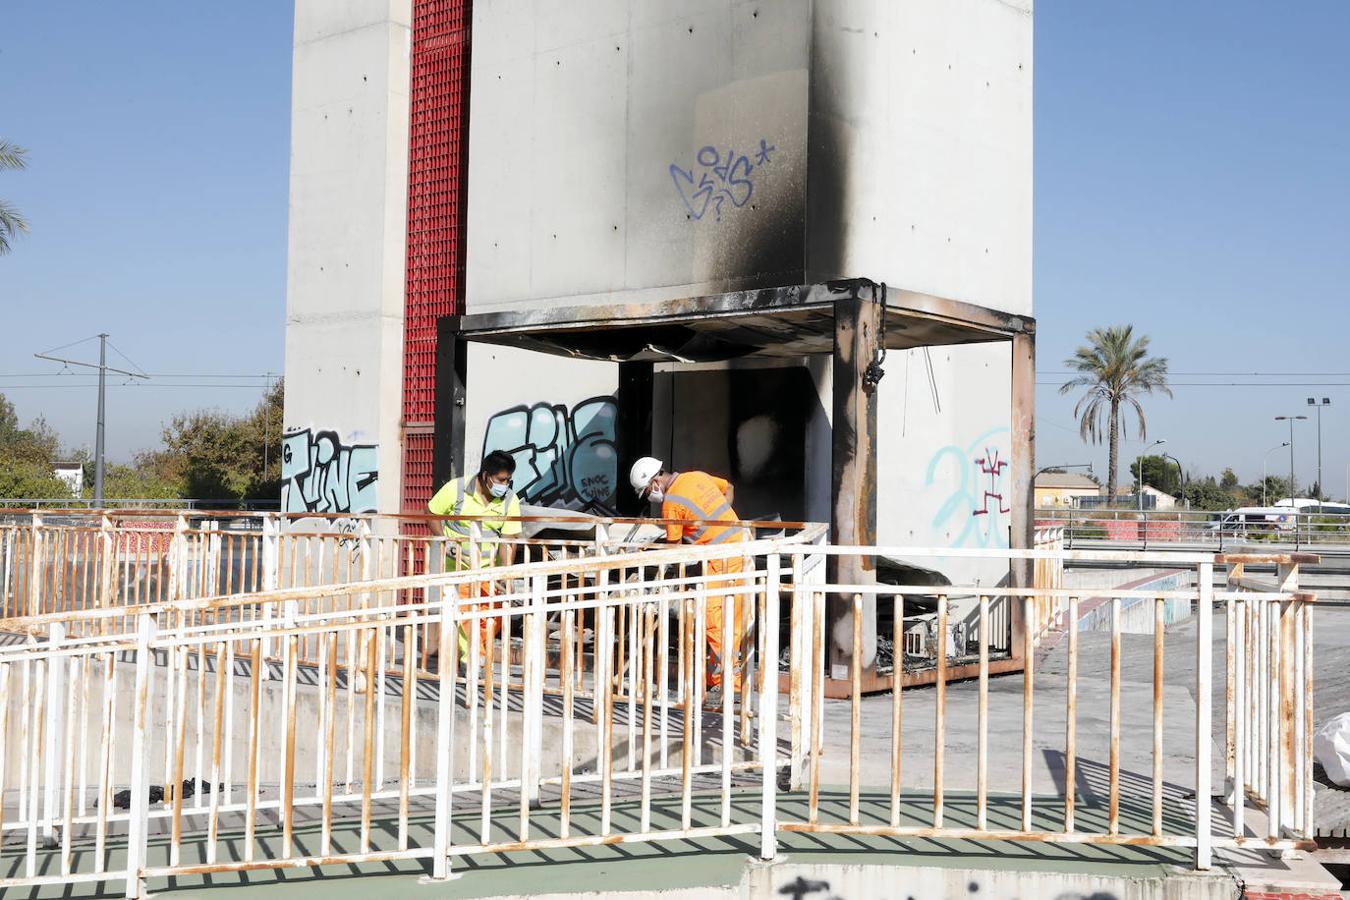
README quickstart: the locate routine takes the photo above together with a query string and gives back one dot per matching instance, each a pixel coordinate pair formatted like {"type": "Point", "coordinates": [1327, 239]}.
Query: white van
{"type": "Point", "coordinates": [1251, 520]}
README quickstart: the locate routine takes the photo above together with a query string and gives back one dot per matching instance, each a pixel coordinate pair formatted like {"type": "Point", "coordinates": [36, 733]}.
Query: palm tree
{"type": "Point", "coordinates": [12, 156]}
{"type": "Point", "coordinates": [1115, 368]}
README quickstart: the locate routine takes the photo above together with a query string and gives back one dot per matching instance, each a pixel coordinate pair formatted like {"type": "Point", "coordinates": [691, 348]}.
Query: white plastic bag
{"type": "Point", "coordinates": [1331, 747]}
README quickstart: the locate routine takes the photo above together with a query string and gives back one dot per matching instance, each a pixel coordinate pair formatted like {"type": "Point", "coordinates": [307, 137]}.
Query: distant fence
{"type": "Point", "coordinates": [1194, 528]}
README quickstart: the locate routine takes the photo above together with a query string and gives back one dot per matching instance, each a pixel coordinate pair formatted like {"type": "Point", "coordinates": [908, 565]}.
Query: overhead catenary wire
{"type": "Point", "coordinates": [147, 384]}
{"type": "Point", "coordinates": [92, 337]}
{"type": "Point", "coordinates": [129, 360]}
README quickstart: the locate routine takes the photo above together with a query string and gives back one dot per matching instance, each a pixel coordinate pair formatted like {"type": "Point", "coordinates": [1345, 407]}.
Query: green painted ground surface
{"type": "Point", "coordinates": [706, 862]}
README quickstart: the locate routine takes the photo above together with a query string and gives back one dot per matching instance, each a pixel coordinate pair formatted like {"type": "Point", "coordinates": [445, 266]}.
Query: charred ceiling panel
{"type": "Point", "coordinates": [782, 323]}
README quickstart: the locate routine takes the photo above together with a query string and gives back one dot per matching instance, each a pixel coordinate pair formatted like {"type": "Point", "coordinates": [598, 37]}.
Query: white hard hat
{"type": "Point", "coordinates": [643, 471]}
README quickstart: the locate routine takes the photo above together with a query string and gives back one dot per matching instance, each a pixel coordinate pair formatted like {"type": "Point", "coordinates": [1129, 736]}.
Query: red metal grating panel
{"type": "Point", "coordinates": [437, 201]}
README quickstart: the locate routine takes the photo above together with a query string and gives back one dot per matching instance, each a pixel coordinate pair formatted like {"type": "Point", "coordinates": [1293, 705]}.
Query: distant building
{"type": "Point", "coordinates": [1059, 489]}
{"type": "Point", "coordinates": [1161, 499]}
{"type": "Point", "coordinates": [72, 473]}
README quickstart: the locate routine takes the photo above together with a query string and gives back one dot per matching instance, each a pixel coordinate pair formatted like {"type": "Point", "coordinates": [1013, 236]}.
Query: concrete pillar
{"type": "Point", "coordinates": [346, 255]}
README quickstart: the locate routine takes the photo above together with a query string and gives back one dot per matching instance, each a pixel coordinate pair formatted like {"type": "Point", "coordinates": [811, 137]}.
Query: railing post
{"type": "Point", "coordinates": [35, 567]}
{"type": "Point", "coordinates": [271, 580]}
{"type": "Point", "coordinates": [212, 586]}
{"type": "Point", "coordinates": [270, 552]}
{"type": "Point", "coordinates": [51, 729]}
{"type": "Point", "coordinates": [447, 652]}
{"type": "Point", "coordinates": [366, 547]}
{"type": "Point", "coordinates": [177, 590]}
{"type": "Point", "coordinates": [107, 589]}
{"type": "Point", "coordinates": [768, 715]}
{"type": "Point", "coordinates": [140, 800]}
{"type": "Point", "coordinates": [1203, 726]}
{"type": "Point", "coordinates": [799, 670]}
{"type": "Point", "coordinates": [537, 656]}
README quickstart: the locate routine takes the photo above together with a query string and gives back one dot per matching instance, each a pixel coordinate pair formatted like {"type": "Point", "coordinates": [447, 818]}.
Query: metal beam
{"type": "Point", "coordinates": [853, 479]}
{"type": "Point", "coordinates": [791, 320]}
{"type": "Point", "coordinates": [632, 429]}
{"type": "Point", "coordinates": [452, 378]}
{"type": "Point", "coordinates": [1023, 516]}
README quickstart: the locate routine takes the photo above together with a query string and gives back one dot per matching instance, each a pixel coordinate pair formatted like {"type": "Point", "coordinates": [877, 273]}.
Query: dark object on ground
{"type": "Point", "coordinates": [155, 794]}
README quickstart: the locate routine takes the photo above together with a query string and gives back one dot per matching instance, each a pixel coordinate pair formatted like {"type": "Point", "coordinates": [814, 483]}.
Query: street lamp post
{"type": "Point", "coordinates": [1140, 491]}
{"type": "Point", "coordinates": [1326, 401]}
{"type": "Point", "coordinates": [1291, 420]}
{"type": "Point", "coordinates": [1264, 464]}
{"type": "Point", "coordinates": [1181, 473]}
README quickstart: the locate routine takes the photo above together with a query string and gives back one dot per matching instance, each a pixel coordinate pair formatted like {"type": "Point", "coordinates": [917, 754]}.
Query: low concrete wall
{"type": "Point", "coordinates": [1136, 613]}
{"type": "Point", "coordinates": [837, 881]}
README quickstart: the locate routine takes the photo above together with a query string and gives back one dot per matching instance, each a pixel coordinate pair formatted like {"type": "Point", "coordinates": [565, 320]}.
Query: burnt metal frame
{"type": "Point", "coordinates": [855, 310]}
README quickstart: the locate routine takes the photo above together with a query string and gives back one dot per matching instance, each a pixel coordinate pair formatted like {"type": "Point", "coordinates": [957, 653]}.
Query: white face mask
{"type": "Point", "coordinates": [499, 490]}
{"type": "Point", "coordinates": [656, 495]}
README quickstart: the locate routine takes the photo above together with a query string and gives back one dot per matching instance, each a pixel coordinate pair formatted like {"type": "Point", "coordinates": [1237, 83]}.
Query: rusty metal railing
{"type": "Point", "coordinates": [1269, 694]}
{"type": "Point", "coordinates": [572, 707]}
{"type": "Point", "coordinates": [1147, 811]}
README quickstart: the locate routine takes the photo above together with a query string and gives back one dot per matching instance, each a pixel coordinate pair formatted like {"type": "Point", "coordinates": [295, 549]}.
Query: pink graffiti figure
{"type": "Point", "coordinates": [991, 465]}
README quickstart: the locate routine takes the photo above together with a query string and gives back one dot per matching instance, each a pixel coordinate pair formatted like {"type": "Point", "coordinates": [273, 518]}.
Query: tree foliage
{"type": "Point", "coordinates": [205, 455]}
{"type": "Point", "coordinates": [213, 455]}
{"type": "Point", "coordinates": [1114, 370]}
{"type": "Point", "coordinates": [1159, 472]}
{"type": "Point", "coordinates": [12, 222]}
{"type": "Point", "coordinates": [26, 458]}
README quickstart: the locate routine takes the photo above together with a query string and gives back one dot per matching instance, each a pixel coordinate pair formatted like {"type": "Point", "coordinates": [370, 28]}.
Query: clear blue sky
{"type": "Point", "coordinates": [158, 137]}
{"type": "Point", "coordinates": [1190, 178]}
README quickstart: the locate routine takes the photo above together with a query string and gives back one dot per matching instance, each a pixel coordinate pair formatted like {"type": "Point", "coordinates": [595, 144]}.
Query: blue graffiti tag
{"type": "Point", "coordinates": [977, 501]}
{"type": "Point", "coordinates": [564, 457]}
{"type": "Point", "coordinates": [721, 178]}
{"type": "Point", "coordinates": [321, 474]}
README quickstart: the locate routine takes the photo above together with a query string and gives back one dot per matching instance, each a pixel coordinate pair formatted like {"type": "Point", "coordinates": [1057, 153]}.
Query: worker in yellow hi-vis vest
{"type": "Point", "coordinates": [489, 494]}
{"type": "Point", "coordinates": [694, 496]}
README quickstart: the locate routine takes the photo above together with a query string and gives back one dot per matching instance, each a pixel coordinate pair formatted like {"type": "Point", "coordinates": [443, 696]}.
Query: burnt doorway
{"type": "Point", "coordinates": [750, 425]}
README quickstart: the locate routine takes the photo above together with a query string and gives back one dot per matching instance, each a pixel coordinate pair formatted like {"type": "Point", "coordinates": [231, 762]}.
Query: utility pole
{"type": "Point", "coordinates": [1291, 420]}
{"type": "Point", "coordinates": [1326, 401]}
{"type": "Point", "coordinates": [103, 370]}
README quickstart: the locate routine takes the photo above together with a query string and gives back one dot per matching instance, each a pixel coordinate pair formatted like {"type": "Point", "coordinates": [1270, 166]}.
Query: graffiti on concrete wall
{"type": "Point", "coordinates": [718, 178]}
{"type": "Point", "coordinates": [975, 511]}
{"type": "Point", "coordinates": [321, 474]}
{"type": "Point", "coordinates": [564, 457]}
{"type": "Point", "coordinates": [992, 467]}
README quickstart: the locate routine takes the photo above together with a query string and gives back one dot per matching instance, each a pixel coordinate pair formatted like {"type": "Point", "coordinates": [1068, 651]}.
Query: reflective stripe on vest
{"type": "Point", "coordinates": [699, 531]}
{"type": "Point", "coordinates": [465, 528]}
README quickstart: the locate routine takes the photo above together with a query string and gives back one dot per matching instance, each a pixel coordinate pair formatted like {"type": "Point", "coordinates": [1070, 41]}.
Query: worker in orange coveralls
{"type": "Point", "coordinates": [694, 496]}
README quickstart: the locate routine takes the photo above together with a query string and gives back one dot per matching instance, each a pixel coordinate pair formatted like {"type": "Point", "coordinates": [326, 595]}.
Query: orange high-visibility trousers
{"type": "Point", "coordinates": [718, 591]}
{"type": "Point", "coordinates": [486, 588]}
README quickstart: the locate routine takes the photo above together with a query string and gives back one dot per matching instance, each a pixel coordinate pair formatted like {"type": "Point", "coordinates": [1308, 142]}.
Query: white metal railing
{"type": "Point", "coordinates": [1274, 740]}
{"type": "Point", "coordinates": [1269, 694]}
{"type": "Point", "coordinates": [54, 562]}
{"type": "Point", "coordinates": [516, 743]}
{"type": "Point", "coordinates": [1196, 529]}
